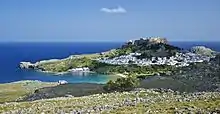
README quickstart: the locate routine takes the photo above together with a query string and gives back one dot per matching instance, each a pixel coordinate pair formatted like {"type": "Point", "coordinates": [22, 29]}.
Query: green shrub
{"type": "Point", "coordinates": [122, 84]}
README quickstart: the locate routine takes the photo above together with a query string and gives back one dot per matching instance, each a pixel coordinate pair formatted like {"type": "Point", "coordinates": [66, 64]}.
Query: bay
{"type": "Point", "coordinates": [13, 53]}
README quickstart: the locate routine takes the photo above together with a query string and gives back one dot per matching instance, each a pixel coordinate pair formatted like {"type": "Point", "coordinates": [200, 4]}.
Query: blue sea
{"type": "Point", "coordinates": [13, 53]}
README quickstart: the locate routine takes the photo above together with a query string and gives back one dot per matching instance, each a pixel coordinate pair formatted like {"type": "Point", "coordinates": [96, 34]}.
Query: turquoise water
{"type": "Point", "coordinates": [70, 77]}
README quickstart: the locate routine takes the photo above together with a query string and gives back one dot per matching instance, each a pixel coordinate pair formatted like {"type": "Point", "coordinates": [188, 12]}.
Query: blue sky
{"type": "Point", "coordinates": [108, 20]}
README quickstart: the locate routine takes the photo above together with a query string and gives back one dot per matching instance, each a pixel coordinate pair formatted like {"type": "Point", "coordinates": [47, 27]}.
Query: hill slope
{"type": "Point", "coordinates": [137, 101]}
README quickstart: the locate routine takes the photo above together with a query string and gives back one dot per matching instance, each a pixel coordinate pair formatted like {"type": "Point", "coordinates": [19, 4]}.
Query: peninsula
{"type": "Point", "coordinates": [141, 57]}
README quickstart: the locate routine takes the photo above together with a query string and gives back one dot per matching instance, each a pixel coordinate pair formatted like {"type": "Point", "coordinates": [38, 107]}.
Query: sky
{"type": "Point", "coordinates": [108, 20]}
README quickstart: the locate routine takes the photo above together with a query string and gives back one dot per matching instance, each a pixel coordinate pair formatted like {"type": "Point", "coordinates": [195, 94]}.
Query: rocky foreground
{"type": "Point", "coordinates": [136, 101]}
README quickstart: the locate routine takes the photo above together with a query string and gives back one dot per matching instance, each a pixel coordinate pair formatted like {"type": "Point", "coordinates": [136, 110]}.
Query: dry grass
{"type": "Point", "coordinates": [13, 91]}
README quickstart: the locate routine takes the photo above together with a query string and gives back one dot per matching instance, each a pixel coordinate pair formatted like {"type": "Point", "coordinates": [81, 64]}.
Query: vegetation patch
{"type": "Point", "coordinates": [18, 90]}
{"type": "Point", "coordinates": [122, 84]}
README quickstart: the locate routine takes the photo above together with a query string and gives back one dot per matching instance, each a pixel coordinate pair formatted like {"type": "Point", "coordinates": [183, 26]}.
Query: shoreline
{"type": "Point", "coordinates": [118, 75]}
{"type": "Point", "coordinates": [63, 73]}
{"type": "Point", "coordinates": [28, 81]}
{"type": "Point", "coordinates": [121, 75]}
{"type": "Point", "coordinates": [69, 72]}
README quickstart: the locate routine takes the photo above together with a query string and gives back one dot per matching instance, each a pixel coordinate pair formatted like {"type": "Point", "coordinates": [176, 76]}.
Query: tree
{"type": "Point", "coordinates": [110, 85]}
{"type": "Point", "coordinates": [122, 84]}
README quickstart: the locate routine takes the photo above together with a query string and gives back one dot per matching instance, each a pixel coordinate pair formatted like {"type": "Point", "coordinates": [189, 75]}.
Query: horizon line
{"type": "Point", "coordinates": [95, 41]}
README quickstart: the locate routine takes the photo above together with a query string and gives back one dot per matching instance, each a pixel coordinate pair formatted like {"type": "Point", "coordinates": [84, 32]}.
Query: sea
{"type": "Point", "coordinates": [12, 53]}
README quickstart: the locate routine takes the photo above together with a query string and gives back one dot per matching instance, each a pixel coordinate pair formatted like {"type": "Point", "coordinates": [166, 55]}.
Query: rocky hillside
{"type": "Point", "coordinates": [202, 50]}
{"type": "Point", "coordinates": [137, 101]}
{"type": "Point", "coordinates": [149, 47]}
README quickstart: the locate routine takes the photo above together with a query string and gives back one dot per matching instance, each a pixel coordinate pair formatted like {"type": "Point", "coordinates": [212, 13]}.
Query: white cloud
{"type": "Point", "coordinates": [118, 9]}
